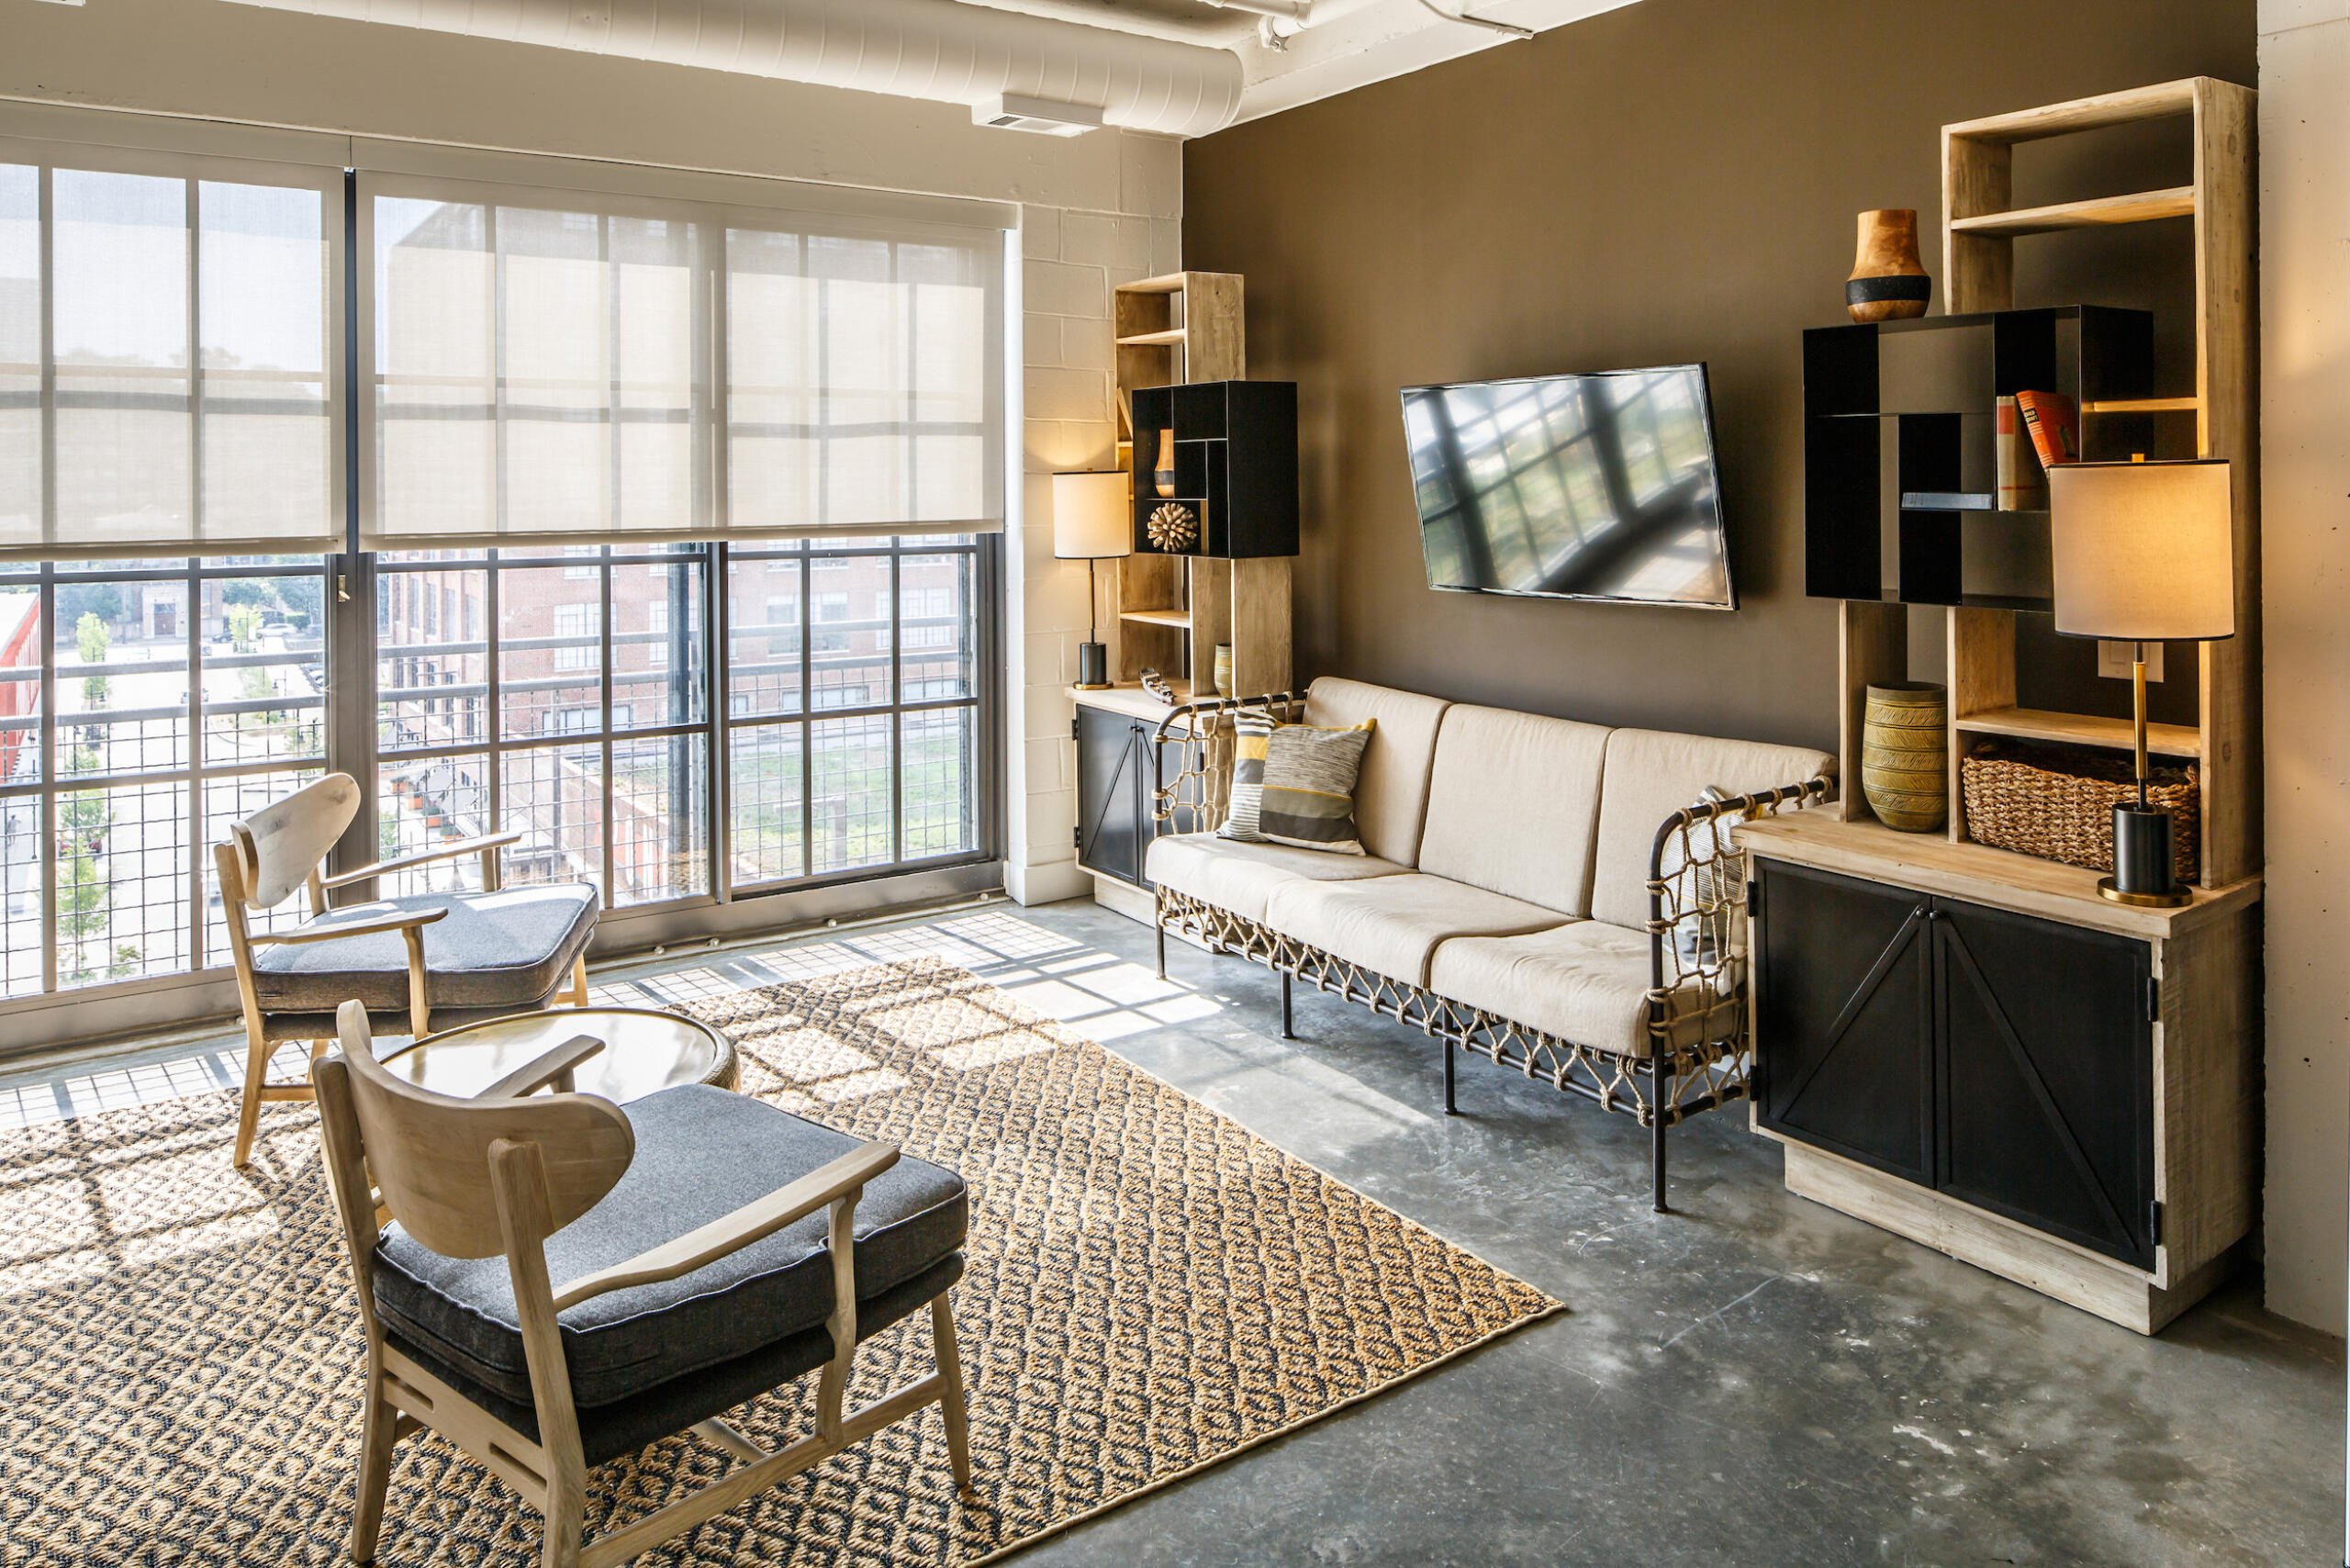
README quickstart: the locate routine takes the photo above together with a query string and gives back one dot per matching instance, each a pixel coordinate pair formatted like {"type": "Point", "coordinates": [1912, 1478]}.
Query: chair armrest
{"type": "Point", "coordinates": [840, 1181]}
{"type": "Point", "coordinates": [546, 1068]}
{"type": "Point", "coordinates": [423, 858]}
{"type": "Point", "coordinates": [399, 919]}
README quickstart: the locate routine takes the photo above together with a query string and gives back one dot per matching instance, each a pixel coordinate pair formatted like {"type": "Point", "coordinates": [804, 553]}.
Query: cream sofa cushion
{"type": "Point", "coordinates": [1239, 876]}
{"type": "Point", "coordinates": [1391, 925]}
{"type": "Point", "coordinates": [1587, 982]}
{"type": "Point", "coordinates": [1392, 791]}
{"type": "Point", "coordinates": [1513, 804]}
{"type": "Point", "coordinates": [1650, 775]}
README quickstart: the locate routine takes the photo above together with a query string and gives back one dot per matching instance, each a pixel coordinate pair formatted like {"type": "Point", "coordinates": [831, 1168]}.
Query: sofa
{"type": "Point", "coordinates": [1564, 898]}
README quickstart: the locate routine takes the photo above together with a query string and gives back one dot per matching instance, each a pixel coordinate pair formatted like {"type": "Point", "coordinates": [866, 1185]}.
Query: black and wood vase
{"type": "Point", "coordinates": [1163, 474]}
{"type": "Point", "coordinates": [1888, 281]}
{"type": "Point", "coordinates": [1905, 755]}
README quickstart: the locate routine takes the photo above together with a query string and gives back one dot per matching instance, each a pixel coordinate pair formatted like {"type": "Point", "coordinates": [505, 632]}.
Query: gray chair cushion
{"type": "Point", "coordinates": [505, 950]}
{"type": "Point", "coordinates": [701, 1154]}
{"type": "Point", "coordinates": [625, 1425]}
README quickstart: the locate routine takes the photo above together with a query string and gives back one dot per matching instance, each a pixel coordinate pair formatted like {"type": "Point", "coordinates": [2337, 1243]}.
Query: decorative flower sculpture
{"type": "Point", "coordinates": [1172, 527]}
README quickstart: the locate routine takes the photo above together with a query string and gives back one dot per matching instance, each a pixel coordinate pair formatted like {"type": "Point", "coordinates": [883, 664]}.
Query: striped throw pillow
{"type": "Point", "coordinates": [1294, 784]}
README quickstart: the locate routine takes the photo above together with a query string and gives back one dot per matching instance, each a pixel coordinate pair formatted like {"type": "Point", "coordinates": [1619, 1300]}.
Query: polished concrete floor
{"type": "Point", "coordinates": [1753, 1380]}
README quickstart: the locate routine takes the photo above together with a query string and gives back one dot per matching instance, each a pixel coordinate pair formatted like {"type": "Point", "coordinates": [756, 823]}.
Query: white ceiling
{"type": "Point", "coordinates": [1350, 43]}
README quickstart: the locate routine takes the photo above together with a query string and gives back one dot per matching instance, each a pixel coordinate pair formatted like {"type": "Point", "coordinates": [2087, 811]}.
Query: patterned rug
{"type": "Point", "coordinates": [1151, 1289]}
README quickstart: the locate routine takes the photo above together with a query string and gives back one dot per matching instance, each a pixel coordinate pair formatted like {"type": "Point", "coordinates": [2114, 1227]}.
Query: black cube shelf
{"type": "Point", "coordinates": [1917, 522]}
{"type": "Point", "coordinates": [1235, 464]}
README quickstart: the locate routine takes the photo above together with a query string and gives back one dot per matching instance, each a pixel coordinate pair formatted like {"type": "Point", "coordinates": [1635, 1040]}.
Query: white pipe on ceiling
{"type": "Point", "coordinates": [935, 49]}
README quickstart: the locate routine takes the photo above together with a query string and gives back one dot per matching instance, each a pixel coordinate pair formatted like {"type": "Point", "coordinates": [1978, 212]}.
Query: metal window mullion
{"type": "Point", "coordinates": [807, 725]}
{"type": "Point", "coordinates": [897, 699]}
{"type": "Point", "coordinates": [717, 627]}
{"type": "Point", "coordinates": [52, 827]}
{"type": "Point", "coordinates": [193, 617]}
{"type": "Point", "coordinates": [494, 718]}
{"type": "Point", "coordinates": [604, 679]}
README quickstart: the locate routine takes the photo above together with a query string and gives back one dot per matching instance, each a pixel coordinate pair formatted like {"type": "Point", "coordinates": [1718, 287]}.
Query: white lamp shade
{"type": "Point", "coordinates": [1090, 520]}
{"type": "Point", "coordinates": [2142, 551]}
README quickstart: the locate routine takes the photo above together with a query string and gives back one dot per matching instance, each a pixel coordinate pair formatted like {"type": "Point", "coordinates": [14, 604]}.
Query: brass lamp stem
{"type": "Point", "coordinates": [1093, 634]}
{"type": "Point", "coordinates": [2138, 695]}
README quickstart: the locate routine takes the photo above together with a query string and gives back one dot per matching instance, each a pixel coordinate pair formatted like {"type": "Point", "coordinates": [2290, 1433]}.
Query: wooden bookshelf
{"type": "Point", "coordinates": [1171, 612]}
{"type": "Point", "coordinates": [1980, 226]}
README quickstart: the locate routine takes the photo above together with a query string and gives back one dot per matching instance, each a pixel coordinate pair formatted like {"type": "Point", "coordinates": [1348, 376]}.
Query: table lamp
{"type": "Point", "coordinates": [1091, 521]}
{"type": "Point", "coordinates": [2143, 553]}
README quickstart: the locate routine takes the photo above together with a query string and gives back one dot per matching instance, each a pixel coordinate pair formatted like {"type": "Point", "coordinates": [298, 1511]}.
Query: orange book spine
{"type": "Point", "coordinates": [2055, 425]}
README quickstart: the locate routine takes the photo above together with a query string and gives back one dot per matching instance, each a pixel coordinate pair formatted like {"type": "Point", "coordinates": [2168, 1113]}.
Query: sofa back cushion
{"type": "Point", "coordinates": [1392, 790]}
{"type": "Point", "coordinates": [1651, 774]}
{"type": "Point", "coordinates": [1513, 805]}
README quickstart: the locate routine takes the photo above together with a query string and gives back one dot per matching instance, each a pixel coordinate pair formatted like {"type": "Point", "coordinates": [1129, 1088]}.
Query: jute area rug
{"type": "Point", "coordinates": [1151, 1289]}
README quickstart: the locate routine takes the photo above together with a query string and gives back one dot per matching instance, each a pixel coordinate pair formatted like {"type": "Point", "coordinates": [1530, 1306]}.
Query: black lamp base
{"type": "Point", "coordinates": [2142, 874]}
{"type": "Point", "coordinates": [1093, 667]}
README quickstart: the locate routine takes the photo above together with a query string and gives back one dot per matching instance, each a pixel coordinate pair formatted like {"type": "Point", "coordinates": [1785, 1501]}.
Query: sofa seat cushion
{"type": "Point", "coordinates": [1392, 924]}
{"type": "Point", "coordinates": [1586, 983]}
{"type": "Point", "coordinates": [701, 1154]}
{"type": "Point", "coordinates": [509, 949]}
{"type": "Point", "coordinates": [1239, 876]}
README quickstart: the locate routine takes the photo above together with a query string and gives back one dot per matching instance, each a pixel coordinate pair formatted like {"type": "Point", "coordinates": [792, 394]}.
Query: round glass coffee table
{"type": "Point", "coordinates": [644, 1051]}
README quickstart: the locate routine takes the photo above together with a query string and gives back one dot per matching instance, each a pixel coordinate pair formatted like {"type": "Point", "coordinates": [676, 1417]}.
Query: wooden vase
{"type": "Point", "coordinates": [1162, 475]}
{"type": "Point", "coordinates": [1888, 281]}
{"type": "Point", "coordinates": [1905, 755]}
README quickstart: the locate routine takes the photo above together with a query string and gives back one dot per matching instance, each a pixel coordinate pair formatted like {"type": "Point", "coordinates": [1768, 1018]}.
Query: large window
{"type": "Point", "coordinates": [852, 752]}
{"type": "Point", "coordinates": [670, 498]}
{"type": "Point", "coordinates": [144, 706]}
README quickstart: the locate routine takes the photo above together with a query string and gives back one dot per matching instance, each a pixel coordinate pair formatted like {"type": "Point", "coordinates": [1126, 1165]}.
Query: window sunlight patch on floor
{"type": "Point", "coordinates": [1099, 994]}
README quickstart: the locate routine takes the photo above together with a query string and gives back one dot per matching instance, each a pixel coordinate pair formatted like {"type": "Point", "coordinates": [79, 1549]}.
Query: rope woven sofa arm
{"type": "Point", "coordinates": [1697, 886]}
{"type": "Point", "coordinates": [1199, 735]}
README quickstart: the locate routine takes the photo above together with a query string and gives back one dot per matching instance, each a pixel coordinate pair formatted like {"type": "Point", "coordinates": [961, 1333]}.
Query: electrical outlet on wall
{"type": "Point", "coordinates": [2115, 658]}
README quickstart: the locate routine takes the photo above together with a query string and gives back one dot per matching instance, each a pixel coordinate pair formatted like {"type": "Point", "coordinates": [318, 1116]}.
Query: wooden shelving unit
{"type": "Point", "coordinates": [2164, 1051]}
{"type": "Point", "coordinates": [1171, 612]}
{"type": "Point", "coordinates": [2214, 419]}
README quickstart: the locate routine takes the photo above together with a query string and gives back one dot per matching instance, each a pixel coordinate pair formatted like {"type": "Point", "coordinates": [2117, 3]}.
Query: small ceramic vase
{"type": "Point", "coordinates": [1162, 477]}
{"type": "Point", "coordinates": [1888, 281]}
{"type": "Point", "coordinates": [1905, 755]}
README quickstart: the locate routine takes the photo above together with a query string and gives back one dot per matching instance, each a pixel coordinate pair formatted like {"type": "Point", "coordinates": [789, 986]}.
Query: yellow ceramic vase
{"type": "Point", "coordinates": [1905, 755]}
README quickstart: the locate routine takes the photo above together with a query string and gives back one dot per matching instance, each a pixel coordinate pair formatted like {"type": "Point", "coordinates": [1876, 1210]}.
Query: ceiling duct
{"type": "Point", "coordinates": [935, 49]}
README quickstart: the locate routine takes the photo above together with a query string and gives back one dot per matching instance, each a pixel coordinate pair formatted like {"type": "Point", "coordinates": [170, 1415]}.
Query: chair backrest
{"type": "Point", "coordinates": [279, 847]}
{"type": "Point", "coordinates": [429, 1153]}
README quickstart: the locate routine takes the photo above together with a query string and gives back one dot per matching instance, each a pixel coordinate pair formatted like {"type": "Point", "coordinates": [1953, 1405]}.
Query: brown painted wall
{"type": "Point", "coordinates": [1673, 181]}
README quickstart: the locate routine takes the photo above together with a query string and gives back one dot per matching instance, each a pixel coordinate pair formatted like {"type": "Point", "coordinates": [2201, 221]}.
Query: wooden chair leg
{"type": "Point", "coordinates": [249, 1111]}
{"type": "Point", "coordinates": [564, 1521]}
{"type": "Point", "coordinates": [579, 981]}
{"type": "Point", "coordinates": [950, 1403]}
{"type": "Point", "coordinates": [374, 1470]}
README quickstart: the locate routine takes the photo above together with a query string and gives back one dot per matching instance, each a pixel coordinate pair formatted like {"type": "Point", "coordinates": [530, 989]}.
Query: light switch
{"type": "Point", "coordinates": [2114, 659]}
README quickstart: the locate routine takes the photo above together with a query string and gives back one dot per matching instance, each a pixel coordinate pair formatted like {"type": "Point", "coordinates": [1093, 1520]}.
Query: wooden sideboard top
{"type": "Point", "coordinates": [2000, 878]}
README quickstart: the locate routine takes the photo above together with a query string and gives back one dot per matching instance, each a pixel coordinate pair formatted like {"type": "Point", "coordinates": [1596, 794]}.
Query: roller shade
{"type": "Point", "coordinates": [546, 364]}
{"type": "Point", "coordinates": [171, 338]}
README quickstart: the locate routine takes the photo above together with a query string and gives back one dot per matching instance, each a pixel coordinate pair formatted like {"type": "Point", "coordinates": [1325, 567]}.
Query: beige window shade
{"type": "Point", "coordinates": [552, 366]}
{"type": "Point", "coordinates": [171, 345]}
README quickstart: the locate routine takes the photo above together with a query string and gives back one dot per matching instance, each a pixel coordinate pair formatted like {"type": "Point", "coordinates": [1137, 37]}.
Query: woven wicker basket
{"type": "Point", "coordinates": [2064, 811]}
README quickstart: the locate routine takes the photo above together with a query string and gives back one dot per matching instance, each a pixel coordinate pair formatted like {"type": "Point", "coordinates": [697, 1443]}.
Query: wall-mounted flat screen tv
{"type": "Point", "coordinates": [1597, 486]}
